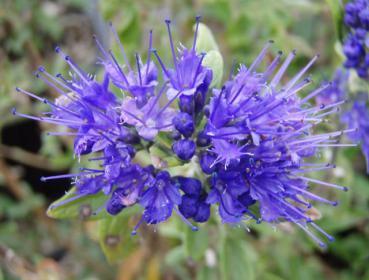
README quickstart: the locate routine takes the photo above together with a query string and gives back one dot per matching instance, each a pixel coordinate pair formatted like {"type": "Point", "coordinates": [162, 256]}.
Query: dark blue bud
{"type": "Point", "coordinates": [186, 104]}
{"type": "Point", "coordinates": [246, 200]}
{"type": "Point", "coordinates": [131, 151]}
{"type": "Point", "coordinates": [190, 186]}
{"type": "Point", "coordinates": [352, 63]}
{"type": "Point", "coordinates": [184, 149]}
{"type": "Point", "coordinates": [202, 139]}
{"type": "Point", "coordinates": [188, 206]}
{"type": "Point", "coordinates": [203, 213]}
{"type": "Point", "coordinates": [353, 49]}
{"type": "Point", "coordinates": [351, 20]}
{"type": "Point", "coordinates": [207, 163]}
{"type": "Point", "coordinates": [362, 72]}
{"type": "Point", "coordinates": [115, 204]}
{"type": "Point", "coordinates": [199, 101]}
{"type": "Point", "coordinates": [175, 135]}
{"type": "Point", "coordinates": [366, 60]}
{"type": "Point", "coordinates": [364, 18]}
{"type": "Point", "coordinates": [129, 136]}
{"type": "Point", "coordinates": [360, 33]}
{"type": "Point", "coordinates": [183, 122]}
{"type": "Point", "coordinates": [351, 8]}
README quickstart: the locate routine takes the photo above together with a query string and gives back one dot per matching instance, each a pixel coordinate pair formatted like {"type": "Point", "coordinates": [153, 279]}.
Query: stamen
{"type": "Point", "coordinates": [187, 222]}
{"type": "Point", "coordinates": [328, 166]}
{"type": "Point", "coordinates": [64, 176]}
{"type": "Point", "coordinates": [167, 21]}
{"type": "Point", "coordinates": [149, 54]}
{"type": "Point", "coordinates": [157, 98]}
{"type": "Point", "coordinates": [345, 189]}
{"type": "Point", "coordinates": [275, 81]}
{"type": "Point", "coordinates": [198, 18]}
{"type": "Point", "coordinates": [273, 65]}
{"type": "Point", "coordinates": [135, 117]}
{"type": "Point", "coordinates": [316, 239]}
{"type": "Point", "coordinates": [134, 231]}
{"type": "Point", "coordinates": [301, 73]}
{"type": "Point", "coordinates": [51, 77]}
{"type": "Point", "coordinates": [330, 237]}
{"type": "Point", "coordinates": [120, 46]}
{"type": "Point", "coordinates": [312, 196]}
{"type": "Point", "coordinates": [138, 68]}
{"type": "Point", "coordinates": [100, 47]}
{"type": "Point", "coordinates": [237, 93]}
{"type": "Point", "coordinates": [306, 82]}
{"type": "Point", "coordinates": [260, 57]}
{"type": "Point", "coordinates": [315, 92]}
{"type": "Point", "coordinates": [60, 91]}
{"type": "Point", "coordinates": [29, 94]}
{"type": "Point", "coordinates": [169, 102]}
{"type": "Point", "coordinates": [161, 63]}
{"type": "Point", "coordinates": [119, 68]}
{"type": "Point", "coordinates": [198, 69]}
{"type": "Point", "coordinates": [217, 105]}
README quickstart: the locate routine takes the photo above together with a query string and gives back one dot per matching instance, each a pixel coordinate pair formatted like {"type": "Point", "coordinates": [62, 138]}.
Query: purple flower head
{"type": "Point", "coordinates": [260, 133]}
{"type": "Point", "coordinates": [247, 145]}
{"type": "Point", "coordinates": [141, 84]}
{"type": "Point", "coordinates": [189, 78]}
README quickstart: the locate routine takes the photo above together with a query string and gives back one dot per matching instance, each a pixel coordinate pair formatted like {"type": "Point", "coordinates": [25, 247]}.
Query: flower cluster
{"type": "Point", "coordinates": [338, 89]}
{"type": "Point", "coordinates": [358, 117]}
{"type": "Point", "coordinates": [247, 145]}
{"type": "Point", "coordinates": [355, 46]}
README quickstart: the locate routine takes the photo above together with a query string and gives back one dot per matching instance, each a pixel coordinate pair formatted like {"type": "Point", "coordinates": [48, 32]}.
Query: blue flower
{"type": "Point", "coordinates": [357, 19]}
{"type": "Point", "coordinates": [247, 145]}
{"type": "Point", "coordinates": [141, 84]}
{"type": "Point", "coordinates": [160, 198]}
{"type": "Point", "coordinates": [357, 119]}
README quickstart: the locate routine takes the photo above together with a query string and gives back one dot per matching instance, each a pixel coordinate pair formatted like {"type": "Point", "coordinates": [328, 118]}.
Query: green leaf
{"type": "Point", "coordinates": [82, 207]}
{"type": "Point", "coordinates": [196, 243]}
{"type": "Point", "coordinates": [213, 59]}
{"type": "Point", "coordinates": [115, 236]}
{"type": "Point", "coordinates": [337, 16]}
{"type": "Point", "coordinates": [236, 258]}
{"type": "Point", "coordinates": [205, 40]}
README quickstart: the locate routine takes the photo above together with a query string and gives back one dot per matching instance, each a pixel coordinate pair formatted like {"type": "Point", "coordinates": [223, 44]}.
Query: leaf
{"type": "Point", "coordinates": [214, 61]}
{"type": "Point", "coordinates": [236, 258]}
{"type": "Point", "coordinates": [196, 243]}
{"type": "Point", "coordinates": [82, 207]}
{"type": "Point", "coordinates": [115, 236]}
{"type": "Point", "coordinates": [205, 40]}
{"type": "Point", "coordinates": [337, 16]}
{"type": "Point", "coordinates": [207, 273]}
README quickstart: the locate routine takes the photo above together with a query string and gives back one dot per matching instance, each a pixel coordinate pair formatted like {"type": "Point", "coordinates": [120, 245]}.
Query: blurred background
{"type": "Point", "coordinates": [33, 246]}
